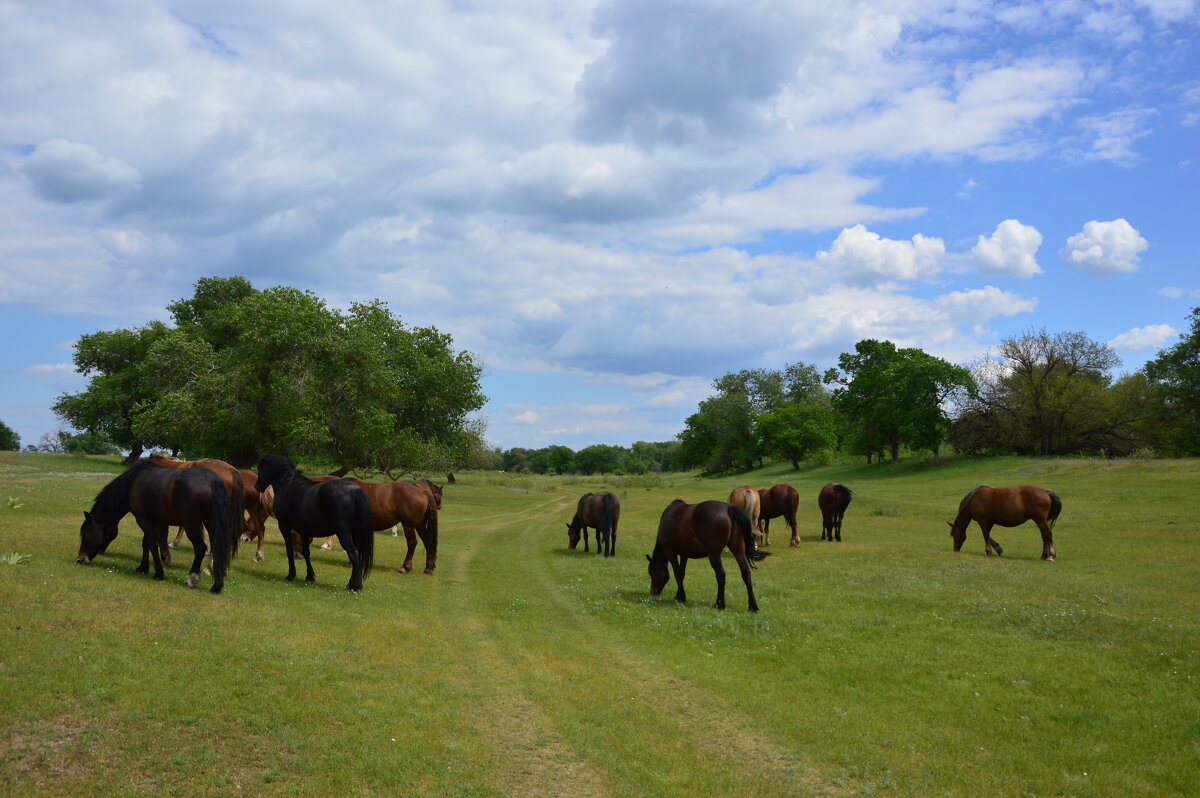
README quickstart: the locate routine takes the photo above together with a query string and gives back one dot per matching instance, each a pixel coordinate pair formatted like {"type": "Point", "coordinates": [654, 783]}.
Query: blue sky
{"type": "Point", "coordinates": [609, 203]}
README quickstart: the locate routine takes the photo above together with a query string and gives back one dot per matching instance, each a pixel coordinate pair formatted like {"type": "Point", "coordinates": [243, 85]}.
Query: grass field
{"type": "Point", "coordinates": [883, 665]}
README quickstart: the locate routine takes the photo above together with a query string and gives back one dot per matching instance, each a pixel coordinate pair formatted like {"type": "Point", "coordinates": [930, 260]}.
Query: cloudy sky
{"type": "Point", "coordinates": [610, 203]}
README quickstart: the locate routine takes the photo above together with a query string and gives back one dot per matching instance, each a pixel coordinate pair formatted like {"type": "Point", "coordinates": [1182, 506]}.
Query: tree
{"type": "Point", "coordinates": [120, 382]}
{"type": "Point", "coordinates": [1175, 374]}
{"type": "Point", "coordinates": [895, 397]}
{"type": "Point", "coordinates": [9, 440]}
{"type": "Point", "coordinates": [1053, 394]}
{"type": "Point", "coordinates": [795, 432]}
{"type": "Point", "coordinates": [598, 459]}
{"type": "Point", "coordinates": [245, 372]}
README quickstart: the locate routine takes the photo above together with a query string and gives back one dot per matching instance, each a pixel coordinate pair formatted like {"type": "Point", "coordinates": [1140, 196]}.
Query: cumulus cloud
{"type": "Point", "coordinates": [1149, 337]}
{"type": "Point", "coordinates": [1011, 250]}
{"type": "Point", "coordinates": [67, 171]}
{"type": "Point", "coordinates": [1105, 248]}
{"type": "Point", "coordinates": [860, 255]}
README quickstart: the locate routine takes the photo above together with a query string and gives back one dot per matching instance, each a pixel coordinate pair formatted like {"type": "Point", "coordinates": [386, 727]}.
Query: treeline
{"type": "Point", "coordinates": [244, 372]}
{"type": "Point", "coordinates": [1037, 394]}
{"type": "Point", "coordinates": [641, 458]}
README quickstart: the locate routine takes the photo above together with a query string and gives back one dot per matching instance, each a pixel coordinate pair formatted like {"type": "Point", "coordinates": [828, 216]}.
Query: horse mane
{"type": "Point", "coordinates": [962, 505]}
{"type": "Point", "coordinates": [113, 499]}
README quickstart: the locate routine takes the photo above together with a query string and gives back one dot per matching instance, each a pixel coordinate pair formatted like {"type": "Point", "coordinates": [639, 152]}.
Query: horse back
{"type": "Point", "coordinates": [778, 500]}
{"type": "Point", "coordinates": [695, 530]}
{"type": "Point", "coordinates": [174, 496]}
{"type": "Point", "coordinates": [1009, 506]}
{"type": "Point", "coordinates": [592, 508]}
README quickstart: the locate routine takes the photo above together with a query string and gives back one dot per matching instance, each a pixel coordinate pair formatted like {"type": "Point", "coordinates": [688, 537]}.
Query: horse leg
{"type": "Point", "coordinates": [837, 525]}
{"type": "Point", "coordinates": [310, 575]}
{"type": "Point", "coordinates": [328, 544]}
{"type": "Point", "coordinates": [791, 521]}
{"type": "Point", "coordinates": [719, 570]}
{"type": "Point", "coordinates": [990, 543]}
{"type": "Point", "coordinates": [613, 531]}
{"type": "Point", "coordinates": [262, 538]}
{"type": "Point", "coordinates": [147, 542]}
{"type": "Point", "coordinates": [744, 567]}
{"type": "Point", "coordinates": [1048, 552]}
{"type": "Point", "coordinates": [765, 526]}
{"type": "Point", "coordinates": [410, 536]}
{"type": "Point", "coordinates": [826, 528]}
{"type": "Point", "coordinates": [585, 536]}
{"type": "Point", "coordinates": [290, 546]}
{"type": "Point", "coordinates": [174, 544]}
{"type": "Point", "coordinates": [679, 568]}
{"type": "Point", "coordinates": [430, 552]}
{"type": "Point", "coordinates": [344, 537]}
{"type": "Point", "coordinates": [196, 536]}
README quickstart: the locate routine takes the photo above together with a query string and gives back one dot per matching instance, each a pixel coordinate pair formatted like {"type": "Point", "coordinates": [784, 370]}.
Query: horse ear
{"type": "Point", "coordinates": [949, 524]}
{"type": "Point", "coordinates": [87, 516]}
{"type": "Point", "coordinates": [648, 558]}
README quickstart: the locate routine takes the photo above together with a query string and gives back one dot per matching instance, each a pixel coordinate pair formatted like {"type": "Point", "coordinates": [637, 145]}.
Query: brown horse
{"type": "Point", "coordinates": [158, 497]}
{"type": "Point", "coordinates": [988, 506]}
{"type": "Point", "coordinates": [411, 505]}
{"type": "Point", "coordinates": [833, 500]}
{"type": "Point", "coordinates": [601, 511]}
{"type": "Point", "coordinates": [690, 531]}
{"type": "Point", "coordinates": [745, 498]}
{"type": "Point", "coordinates": [781, 500]}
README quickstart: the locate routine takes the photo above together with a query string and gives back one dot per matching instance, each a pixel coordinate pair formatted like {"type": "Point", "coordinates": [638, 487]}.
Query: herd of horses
{"type": "Point", "coordinates": [231, 504]}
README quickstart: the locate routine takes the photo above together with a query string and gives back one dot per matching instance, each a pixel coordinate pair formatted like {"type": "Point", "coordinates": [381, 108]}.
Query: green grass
{"type": "Point", "coordinates": [883, 665]}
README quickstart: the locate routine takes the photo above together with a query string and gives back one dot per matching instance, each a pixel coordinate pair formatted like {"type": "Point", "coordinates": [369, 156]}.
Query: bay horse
{"type": "Point", "coordinates": [602, 512]}
{"type": "Point", "coordinates": [313, 508]}
{"type": "Point", "coordinates": [746, 498]}
{"type": "Point", "coordinates": [158, 497]}
{"type": "Point", "coordinates": [988, 506]}
{"type": "Point", "coordinates": [833, 500]}
{"type": "Point", "coordinates": [690, 531]}
{"type": "Point", "coordinates": [780, 500]}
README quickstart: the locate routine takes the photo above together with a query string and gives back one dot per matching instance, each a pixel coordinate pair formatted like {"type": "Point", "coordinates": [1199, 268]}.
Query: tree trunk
{"type": "Point", "coordinates": [895, 450]}
{"type": "Point", "coordinates": [135, 453]}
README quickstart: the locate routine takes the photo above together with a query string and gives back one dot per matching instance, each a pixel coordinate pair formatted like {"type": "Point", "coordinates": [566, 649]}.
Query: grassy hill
{"type": "Point", "coordinates": [886, 664]}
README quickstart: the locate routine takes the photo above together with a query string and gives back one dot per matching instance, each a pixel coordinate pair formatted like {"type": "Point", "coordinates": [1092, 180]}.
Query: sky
{"type": "Point", "coordinates": [609, 203]}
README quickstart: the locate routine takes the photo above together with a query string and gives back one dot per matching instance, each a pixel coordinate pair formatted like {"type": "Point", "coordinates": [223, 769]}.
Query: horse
{"type": "Point", "coordinates": [257, 510]}
{"type": "Point", "coordinates": [833, 500]}
{"type": "Point", "coordinates": [159, 496]}
{"type": "Point", "coordinates": [988, 506]}
{"type": "Point", "coordinates": [690, 531]}
{"type": "Point", "coordinates": [410, 505]}
{"type": "Point", "coordinates": [601, 511]}
{"type": "Point", "coordinates": [746, 498]}
{"type": "Point", "coordinates": [312, 508]}
{"type": "Point", "coordinates": [780, 500]}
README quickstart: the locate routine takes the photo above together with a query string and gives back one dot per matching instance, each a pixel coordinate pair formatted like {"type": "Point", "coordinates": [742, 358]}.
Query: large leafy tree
{"type": "Point", "coordinates": [245, 372]}
{"type": "Point", "coordinates": [1175, 373]}
{"type": "Point", "coordinates": [895, 397]}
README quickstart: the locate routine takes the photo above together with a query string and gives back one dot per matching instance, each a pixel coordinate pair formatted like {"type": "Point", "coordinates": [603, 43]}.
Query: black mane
{"type": "Point", "coordinates": [113, 499]}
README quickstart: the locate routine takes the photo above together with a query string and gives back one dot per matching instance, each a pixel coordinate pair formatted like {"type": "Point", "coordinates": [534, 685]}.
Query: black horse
{"type": "Point", "coordinates": [316, 509]}
{"type": "Point", "coordinates": [691, 531]}
{"type": "Point", "coordinates": [160, 497]}
{"type": "Point", "coordinates": [833, 500]}
{"type": "Point", "coordinates": [601, 511]}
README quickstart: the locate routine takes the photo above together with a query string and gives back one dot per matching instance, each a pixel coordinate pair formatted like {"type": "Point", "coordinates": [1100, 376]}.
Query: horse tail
{"type": "Point", "coordinates": [741, 523]}
{"type": "Point", "coordinates": [361, 532]}
{"type": "Point", "coordinates": [431, 527]}
{"type": "Point", "coordinates": [609, 499]}
{"type": "Point", "coordinates": [1055, 508]}
{"type": "Point", "coordinates": [845, 495]}
{"type": "Point", "coordinates": [237, 512]}
{"type": "Point", "coordinates": [220, 526]}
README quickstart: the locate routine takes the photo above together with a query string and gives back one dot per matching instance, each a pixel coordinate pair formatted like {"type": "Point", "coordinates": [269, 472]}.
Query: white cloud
{"type": "Point", "coordinates": [528, 417]}
{"type": "Point", "coordinates": [858, 254]}
{"type": "Point", "coordinates": [1011, 250]}
{"type": "Point", "coordinates": [1149, 337]}
{"type": "Point", "coordinates": [1105, 248]}
{"type": "Point", "coordinates": [1175, 292]}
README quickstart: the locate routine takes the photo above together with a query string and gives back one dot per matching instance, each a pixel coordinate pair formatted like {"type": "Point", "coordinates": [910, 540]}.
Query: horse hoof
{"type": "Point", "coordinates": [326, 547]}
{"type": "Point", "coordinates": [172, 545]}
{"type": "Point", "coordinates": [192, 580]}
{"type": "Point", "coordinates": [429, 571]}
{"type": "Point", "coordinates": [259, 558]}
{"type": "Point", "coordinates": [215, 589]}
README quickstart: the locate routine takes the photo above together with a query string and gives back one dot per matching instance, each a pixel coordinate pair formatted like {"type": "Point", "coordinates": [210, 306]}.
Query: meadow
{"type": "Point", "coordinates": [885, 664]}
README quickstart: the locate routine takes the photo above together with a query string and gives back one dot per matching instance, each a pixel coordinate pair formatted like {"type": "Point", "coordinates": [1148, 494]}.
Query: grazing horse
{"type": "Point", "coordinates": [781, 500]}
{"type": "Point", "coordinates": [602, 511]}
{"type": "Point", "coordinates": [988, 506]}
{"type": "Point", "coordinates": [158, 497]}
{"type": "Point", "coordinates": [746, 499]}
{"type": "Point", "coordinates": [690, 531]}
{"type": "Point", "coordinates": [833, 500]}
{"type": "Point", "coordinates": [313, 508]}
{"type": "Point", "coordinates": [257, 509]}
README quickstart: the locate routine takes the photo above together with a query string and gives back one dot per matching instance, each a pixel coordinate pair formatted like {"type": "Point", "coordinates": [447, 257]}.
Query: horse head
{"type": "Point", "coordinates": [573, 530]}
{"type": "Point", "coordinates": [94, 538]}
{"type": "Point", "coordinates": [659, 573]}
{"type": "Point", "coordinates": [957, 535]}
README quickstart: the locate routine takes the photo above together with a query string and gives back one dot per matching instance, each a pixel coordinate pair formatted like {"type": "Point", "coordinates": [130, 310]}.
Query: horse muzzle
{"type": "Point", "coordinates": [83, 559]}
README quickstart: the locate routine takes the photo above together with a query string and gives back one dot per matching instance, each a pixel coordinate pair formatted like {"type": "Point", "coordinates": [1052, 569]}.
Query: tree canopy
{"type": "Point", "coordinates": [245, 371]}
{"type": "Point", "coordinates": [9, 439]}
{"type": "Point", "coordinates": [1175, 374]}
